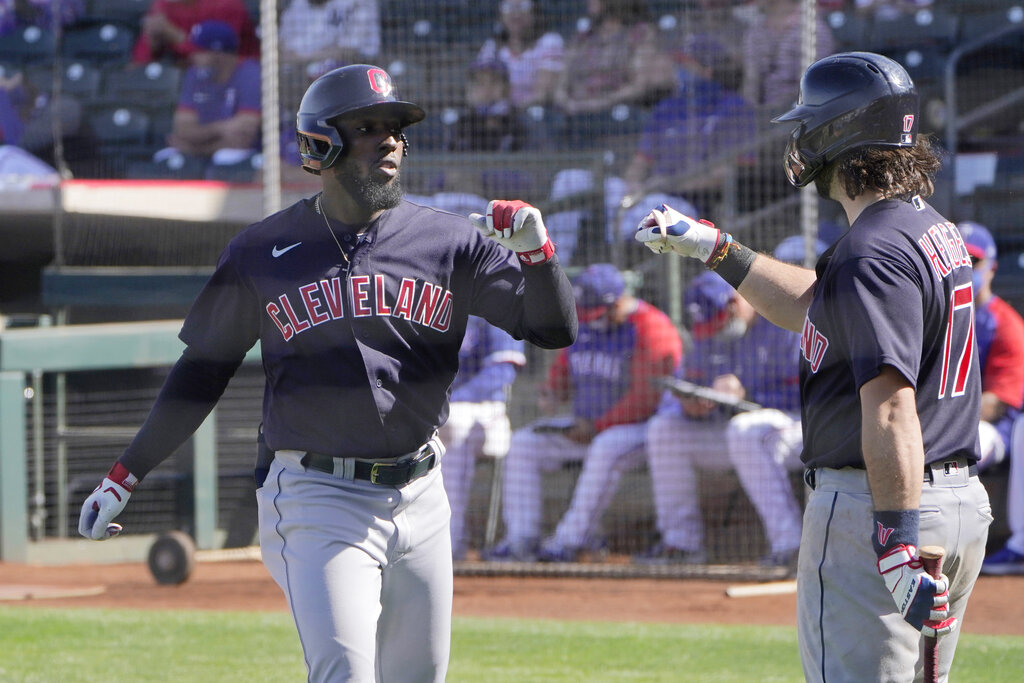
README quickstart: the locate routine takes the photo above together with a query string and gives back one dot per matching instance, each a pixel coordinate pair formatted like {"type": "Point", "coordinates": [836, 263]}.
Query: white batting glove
{"type": "Point", "coordinates": [666, 229]}
{"type": "Point", "coordinates": [105, 503]}
{"type": "Point", "coordinates": [919, 598]}
{"type": "Point", "coordinates": [518, 226]}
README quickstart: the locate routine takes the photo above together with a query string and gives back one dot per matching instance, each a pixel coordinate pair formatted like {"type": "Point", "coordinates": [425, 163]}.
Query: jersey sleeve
{"type": "Point", "coordinates": [224, 321]}
{"type": "Point", "coordinates": [879, 317]}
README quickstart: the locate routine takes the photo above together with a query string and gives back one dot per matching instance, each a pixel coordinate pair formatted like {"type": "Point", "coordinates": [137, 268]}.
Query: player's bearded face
{"type": "Point", "coordinates": [375, 193]}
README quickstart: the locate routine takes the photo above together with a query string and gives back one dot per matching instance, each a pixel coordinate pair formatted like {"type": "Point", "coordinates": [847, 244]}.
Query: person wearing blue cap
{"type": "Point", "coordinates": [218, 113]}
{"type": "Point", "coordinates": [740, 354]}
{"type": "Point", "coordinates": [1000, 334]}
{"type": "Point", "coordinates": [607, 381]}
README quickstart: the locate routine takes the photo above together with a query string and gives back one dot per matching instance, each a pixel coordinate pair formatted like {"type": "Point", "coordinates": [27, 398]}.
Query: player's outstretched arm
{"type": "Point", "coordinates": [779, 291]}
{"type": "Point", "coordinates": [549, 309]}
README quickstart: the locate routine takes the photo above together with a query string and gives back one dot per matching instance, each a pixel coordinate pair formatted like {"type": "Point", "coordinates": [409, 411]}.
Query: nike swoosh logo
{"type": "Point", "coordinates": [275, 252]}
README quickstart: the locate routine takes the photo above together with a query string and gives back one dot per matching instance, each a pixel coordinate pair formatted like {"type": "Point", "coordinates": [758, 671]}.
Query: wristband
{"type": "Point", "coordinates": [120, 475]}
{"type": "Point", "coordinates": [537, 256]}
{"type": "Point", "coordinates": [732, 261]}
{"type": "Point", "coordinates": [894, 527]}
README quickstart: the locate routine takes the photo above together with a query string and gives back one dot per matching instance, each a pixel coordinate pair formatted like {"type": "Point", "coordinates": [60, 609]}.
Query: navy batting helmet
{"type": "Point", "coordinates": [849, 100]}
{"type": "Point", "coordinates": [355, 89]}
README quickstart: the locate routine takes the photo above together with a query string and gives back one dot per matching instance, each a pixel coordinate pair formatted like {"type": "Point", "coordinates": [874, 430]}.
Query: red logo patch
{"type": "Point", "coordinates": [379, 81]}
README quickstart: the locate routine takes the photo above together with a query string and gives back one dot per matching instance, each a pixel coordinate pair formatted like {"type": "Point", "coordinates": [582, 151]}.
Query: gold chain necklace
{"type": "Point", "coordinates": [327, 224]}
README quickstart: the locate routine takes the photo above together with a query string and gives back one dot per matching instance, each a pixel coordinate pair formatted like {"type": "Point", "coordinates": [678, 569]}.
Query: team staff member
{"type": "Point", "coordinates": [359, 301]}
{"type": "Point", "coordinates": [477, 422]}
{"type": "Point", "coordinates": [1000, 333]}
{"type": "Point", "coordinates": [890, 383]}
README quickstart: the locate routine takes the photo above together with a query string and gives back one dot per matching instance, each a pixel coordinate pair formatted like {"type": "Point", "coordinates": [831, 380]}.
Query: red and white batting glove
{"type": "Point", "coordinates": [518, 226]}
{"type": "Point", "coordinates": [666, 229]}
{"type": "Point", "coordinates": [105, 503]}
{"type": "Point", "coordinates": [921, 600]}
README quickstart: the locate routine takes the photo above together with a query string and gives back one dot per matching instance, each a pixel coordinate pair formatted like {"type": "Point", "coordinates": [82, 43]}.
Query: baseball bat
{"type": "Point", "coordinates": [685, 389]}
{"type": "Point", "coordinates": [931, 557]}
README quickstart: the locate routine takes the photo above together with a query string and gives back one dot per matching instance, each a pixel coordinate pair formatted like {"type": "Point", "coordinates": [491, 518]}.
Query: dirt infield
{"type": "Point", "coordinates": [997, 606]}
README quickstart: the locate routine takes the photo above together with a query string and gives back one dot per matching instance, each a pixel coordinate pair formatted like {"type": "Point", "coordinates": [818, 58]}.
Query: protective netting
{"type": "Point", "coordinates": [594, 111]}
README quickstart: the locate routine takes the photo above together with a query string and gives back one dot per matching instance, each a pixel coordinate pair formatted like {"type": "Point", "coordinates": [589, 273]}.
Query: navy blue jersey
{"type": "Point", "coordinates": [359, 356]}
{"type": "Point", "coordinates": [894, 290]}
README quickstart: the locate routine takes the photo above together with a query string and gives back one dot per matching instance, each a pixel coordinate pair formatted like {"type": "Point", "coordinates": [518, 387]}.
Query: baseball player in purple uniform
{"type": "Point", "coordinates": [890, 383]}
{"type": "Point", "coordinates": [739, 353]}
{"type": "Point", "coordinates": [359, 301]}
{"type": "Point", "coordinates": [477, 420]}
{"type": "Point", "coordinates": [607, 380]}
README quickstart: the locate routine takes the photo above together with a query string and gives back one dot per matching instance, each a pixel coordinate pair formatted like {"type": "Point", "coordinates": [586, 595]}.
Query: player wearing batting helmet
{"type": "Point", "coordinates": [890, 384]}
{"type": "Point", "coordinates": [359, 300]}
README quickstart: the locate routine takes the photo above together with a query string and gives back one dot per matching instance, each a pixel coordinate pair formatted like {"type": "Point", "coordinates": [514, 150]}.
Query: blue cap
{"type": "Point", "coordinates": [598, 286]}
{"type": "Point", "coordinates": [979, 241]}
{"type": "Point", "coordinates": [791, 249]}
{"type": "Point", "coordinates": [707, 299]}
{"type": "Point", "coordinates": [213, 35]}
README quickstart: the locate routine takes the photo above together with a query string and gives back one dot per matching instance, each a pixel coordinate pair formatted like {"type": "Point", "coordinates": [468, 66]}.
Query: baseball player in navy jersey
{"type": "Point", "coordinates": [608, 377]}
{"type": "Point", "coordinates": [359, 301]}
{"type": "Point", "coordinates": [890, 384]}
{"type": "Point", "coordinates": [477, 420]}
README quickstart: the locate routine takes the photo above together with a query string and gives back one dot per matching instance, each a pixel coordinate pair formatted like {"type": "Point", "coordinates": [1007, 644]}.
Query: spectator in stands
{"type": "Point", "coordinates": [218, 113]}
{"type": "Point", "coordinates": [477, 423]}
{"type": "Point", "coordinates": [741, 355]}
{"type": "Point", "coordinates": [15, 161]}
{"type": "Point", "coordinates": [712, 30]}
{"type": "Point", "coordinates": [690, 144]}
{"type": "Point", "coordinates": [607, 377]}
{"type": "Point", "coordinates": [29, 120]}
{"type": "Point", "coordinates": [772, 61]}
{"type": "Point", "coordinates": [488, 123]}
{"type": "Point", "coordinates": [695, 138]}
{"type": "Point", "coordinates": [616, 60]}
{"type": "Point", "coordinates": [532, 55]}
{"type": "Point", "coordinates": [1000, 333]}
{"type": "Point", "coordinates": [316, 36]}
{"type": "Point", "coordinates": [44, 14]}
{"type": "Point", "coordinates": [166, 27]}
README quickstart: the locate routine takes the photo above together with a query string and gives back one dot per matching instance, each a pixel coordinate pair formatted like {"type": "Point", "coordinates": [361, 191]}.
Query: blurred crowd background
{"type": "Point", "coordinates": [594, 110]}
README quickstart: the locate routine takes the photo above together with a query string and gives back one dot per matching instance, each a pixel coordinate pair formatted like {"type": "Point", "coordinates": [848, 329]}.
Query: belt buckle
{"type": "Point", "coordinates": [375, 470]}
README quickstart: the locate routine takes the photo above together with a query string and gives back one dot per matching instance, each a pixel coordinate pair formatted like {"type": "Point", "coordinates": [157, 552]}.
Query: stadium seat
{"type": "Point", "coordinates": [924, 27]}
{"type": "Point", "coordinates": [420, 29]}
{"type": "Point", "coordinates": [122, 131]}
{"type": "Point", "coordinates": [99, 42]}
{"type": "Point", "coordinates": [127, 12]}
{"type": "Point", "coordinates": [848, 28]}
{"type": "Point", "coordinates": [178, 167]}
{"type": "Point", "coordinates": [82, 80]}
{"type": "Point", "coordinates": [28, 45]}
{"type": "Point", "coordinates": [9, 69]}
{"type": "Point", "coordinates": [156, 84]}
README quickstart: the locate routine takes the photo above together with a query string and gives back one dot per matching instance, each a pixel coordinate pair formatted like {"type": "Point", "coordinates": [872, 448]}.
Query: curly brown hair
{"type": "Point", "coordinates": [893, 171]}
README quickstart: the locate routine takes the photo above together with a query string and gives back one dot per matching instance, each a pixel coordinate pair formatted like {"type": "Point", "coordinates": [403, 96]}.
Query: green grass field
{"type": "Point", "coordinates": [73, 646]}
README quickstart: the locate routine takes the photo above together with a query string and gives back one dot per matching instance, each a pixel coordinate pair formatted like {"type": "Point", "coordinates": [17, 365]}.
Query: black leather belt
{"type": "Point", "coordinates": [934, 472]}
{"type": "Point", "coordinates": [381, 473]}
